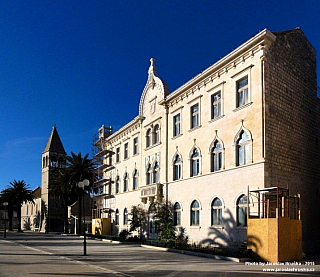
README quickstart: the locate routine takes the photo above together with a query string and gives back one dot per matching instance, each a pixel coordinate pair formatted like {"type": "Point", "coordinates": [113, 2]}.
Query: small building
{"type": "Point", "coordinates": [31, 217]}
{"type": "Point", "coordinates": [4, 218]}
{"type": "Point", "coordinates": [274, 225]}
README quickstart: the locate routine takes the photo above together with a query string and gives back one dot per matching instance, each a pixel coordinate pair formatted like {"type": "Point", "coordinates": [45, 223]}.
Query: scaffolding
{"type": "Point", "coordinates": [274, 229]}
{"type": "Point", "coordinates": [274, 202]}
{"type": "Point", "coordinates": [102, 159]}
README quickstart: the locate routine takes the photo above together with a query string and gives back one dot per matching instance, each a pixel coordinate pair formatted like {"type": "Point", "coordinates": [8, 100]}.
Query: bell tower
{"type": "Point", "coordinates": [53, 158]}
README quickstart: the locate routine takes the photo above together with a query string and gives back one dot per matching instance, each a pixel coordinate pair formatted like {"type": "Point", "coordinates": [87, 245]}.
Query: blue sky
{"type": "Point", "coordinates": [80, 64]}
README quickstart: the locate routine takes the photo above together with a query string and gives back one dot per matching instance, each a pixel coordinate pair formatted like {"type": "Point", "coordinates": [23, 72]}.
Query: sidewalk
{"type": "Point", "coordinates": [19, 260]}
{"type": "Point", "coordinates": [34, 254]}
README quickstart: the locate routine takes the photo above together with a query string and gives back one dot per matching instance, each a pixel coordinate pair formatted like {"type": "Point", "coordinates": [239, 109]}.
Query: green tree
{"type": "Point", "coordinates": [138, 219]}
{"type": "Point", "coordinates": [163, 216]}
{"type": "Point", "coordinates": [17, 193]}
{"type": "Point", "coordinates": [65, 185]}
{"type": "Point", "coordinates": [60, 189]}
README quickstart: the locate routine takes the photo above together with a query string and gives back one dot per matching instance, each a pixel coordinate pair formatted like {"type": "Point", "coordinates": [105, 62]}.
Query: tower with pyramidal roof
{"type": "Point", "coordinates": [53, 158]}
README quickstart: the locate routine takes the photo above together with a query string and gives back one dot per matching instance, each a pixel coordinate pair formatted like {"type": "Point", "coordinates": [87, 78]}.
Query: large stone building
{"type": "Point", "coordinates": [251, 120]}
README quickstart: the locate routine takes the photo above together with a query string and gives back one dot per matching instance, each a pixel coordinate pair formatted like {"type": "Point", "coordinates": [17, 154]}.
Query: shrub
{"type": "Point", "coordinates": [123, 235]}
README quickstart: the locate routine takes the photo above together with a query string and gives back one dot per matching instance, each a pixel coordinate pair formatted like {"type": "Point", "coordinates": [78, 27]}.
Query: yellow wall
{"type": "Point", "coordinates": [101, 226]}
{"type": "Point", "coordinates": [275, 239]}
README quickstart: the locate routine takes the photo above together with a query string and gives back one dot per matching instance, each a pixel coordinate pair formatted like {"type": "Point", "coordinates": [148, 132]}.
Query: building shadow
{"type": "Point", "coordinates": [229, 235]}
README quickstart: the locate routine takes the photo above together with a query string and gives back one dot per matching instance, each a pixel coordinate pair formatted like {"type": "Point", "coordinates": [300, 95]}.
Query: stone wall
{"type": "Point", "coordinates": [292, 132]}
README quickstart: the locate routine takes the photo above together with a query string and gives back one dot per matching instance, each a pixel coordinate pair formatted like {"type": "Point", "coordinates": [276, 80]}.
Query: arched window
{"type": "Point", "coordinates": [152, 221]}
{"type": "Point", "coordinates": [195, 213]}
{"type": "Point", "coordinates": [243, 149]}
{"type": "Point", "coordinates": [116, 220]}
{"type": "Point", "coordinates": [216, 157]}
{"type": "Point", "coordinates": [117, 184]}
{"type": "Point", "coordinates": [61, 162]}
{"type": "Point", "coordinates": [195, 163]}
{"type": "Point", "coordinates": [156, 134]}
{"type": "Point", "coordinates": [148, 138]}
{"type": "Point", "coordinates": [135, 179]}
{"type": "Point", "coordinates": [216, 212]}
{"type": "Point", "coordinates": [177, 167]}
{"type": "Point", "coordinates": [125, 216]}
{"type": "Point", "coordinates": [176, 214]}
{"type": "Point", "coordinates": [149, 175]}
{"type": "Point", "coordinates": [156, 173]}
{"type": "Point", "coordinates": [54, 161]}
{"type": "Point", "coordinates": [125, 182]}
{"type": "Point", "coordinates": [43, 162]}
{"type": "Point", "coordinates": [242, 210]}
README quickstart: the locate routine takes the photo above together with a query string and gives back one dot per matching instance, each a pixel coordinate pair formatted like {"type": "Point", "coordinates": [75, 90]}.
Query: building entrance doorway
{"type": "Point", "coordinates": [152, 227]}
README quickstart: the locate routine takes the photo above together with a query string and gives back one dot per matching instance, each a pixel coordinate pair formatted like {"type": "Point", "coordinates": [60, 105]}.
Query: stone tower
{"type": "Point", "coordinates": [53, 158]}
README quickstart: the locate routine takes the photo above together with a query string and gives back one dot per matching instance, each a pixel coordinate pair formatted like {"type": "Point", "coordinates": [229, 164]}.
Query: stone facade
{"type": "Point", "coordinates": [53, 158]}
{"type": "Point", "coordinates": [46, 213]}
{"type": "Point", "coordinates": [248, 121]}
{"type": "Point", "coordinates": [31, 217]}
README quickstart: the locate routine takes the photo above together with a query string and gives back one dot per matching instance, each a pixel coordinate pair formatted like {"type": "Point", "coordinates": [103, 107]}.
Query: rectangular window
{"type": "Point", "coordinates": [117, 154]}
{"type": "Point", "coordinates": [217, 161]}
{"type": "Point", "coordinates": [126, 150]}
{"type": "Point", "coordinates": [117, 185]}
{"type": "Point", "coordinates": [195, 116]}
{"type": "Point", "coordinates": [135, 146]}
{"type": "Point", "coordinates": [176, 125]}
{"type": "Point", "coordinates": [216, 216]}
{"type": "Point", "coordinates": [216, 105]}
{"type": "Point", "coordinates": [242, 92]}
{"type": "Point", "coordinates": [177, 218]}
{"type": "Point", "coordinates": [195, 217]}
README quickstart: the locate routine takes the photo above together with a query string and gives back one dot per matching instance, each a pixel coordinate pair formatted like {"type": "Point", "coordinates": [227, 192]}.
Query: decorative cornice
{"type": "Point", "coordinates": [153, 121]}
{"type": "Point", "coordinates": [125, 130]}
{"type": "Point", "coordinates": [261, 42]}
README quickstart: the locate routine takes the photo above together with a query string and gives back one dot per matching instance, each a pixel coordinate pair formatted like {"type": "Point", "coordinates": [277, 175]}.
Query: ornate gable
{"type": "Point", "coordinates": [154, 91]}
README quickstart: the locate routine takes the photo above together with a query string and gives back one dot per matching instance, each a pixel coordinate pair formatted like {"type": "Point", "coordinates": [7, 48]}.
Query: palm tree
{"type": "Point", "coordinates": [18, 192]}
{"type": "Point", "coordinates": [59, 188]}
{"type": "Point", "coordinates": [65, 185]}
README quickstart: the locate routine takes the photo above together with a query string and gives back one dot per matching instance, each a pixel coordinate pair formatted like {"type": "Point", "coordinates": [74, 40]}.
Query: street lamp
{"type": "Point", "coordinates": [82, 185]}
{"type": "Point", "coordinates": [5, 204]}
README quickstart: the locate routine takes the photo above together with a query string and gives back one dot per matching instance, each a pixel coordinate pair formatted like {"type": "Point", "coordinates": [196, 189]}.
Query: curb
{"type": "Point", "coordinates": [204, 255]}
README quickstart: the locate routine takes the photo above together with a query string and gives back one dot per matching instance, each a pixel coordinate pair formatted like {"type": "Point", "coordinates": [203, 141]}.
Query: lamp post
{"type": "Point", "coordinates": [83, 184]}
{"type": "Point", "coordinates": [5, 204]}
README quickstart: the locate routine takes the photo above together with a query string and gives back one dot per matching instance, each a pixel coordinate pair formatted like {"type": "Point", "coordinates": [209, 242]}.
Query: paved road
{"type": "Point", "coordinates": [34, 254]}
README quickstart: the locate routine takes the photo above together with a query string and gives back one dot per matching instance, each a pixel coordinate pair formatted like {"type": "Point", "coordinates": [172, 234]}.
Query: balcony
{"type": "Point", "coordinates": [101, 181]}
{"type": "Point", "coordinates": [151, 192]}
{"type": "Point", "coordinates": [103, 152]}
